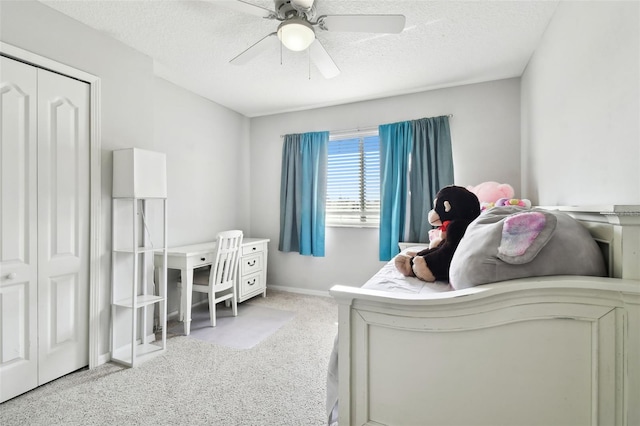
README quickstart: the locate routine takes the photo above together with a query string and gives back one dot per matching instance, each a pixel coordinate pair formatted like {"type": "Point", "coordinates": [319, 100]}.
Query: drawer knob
{"type": "Point", "coordinates": [11, 276]}
{"type": "Point", "coordinates": [253, 248]}
{"type": "Point", "coordinates": [251, 263]}
{"type": "Point", "coordinates": [252, 282]}
{"type": "Point", "coordinates": [203, 259]}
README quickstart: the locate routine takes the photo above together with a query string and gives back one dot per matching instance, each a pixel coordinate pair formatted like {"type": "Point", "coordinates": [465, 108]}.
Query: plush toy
{"type": "Point", "coordinates": [517, 202]}
{"type": "Point", "coordinates": [490, 192]}
{"type": "Point", "coordinates": [460, 207]}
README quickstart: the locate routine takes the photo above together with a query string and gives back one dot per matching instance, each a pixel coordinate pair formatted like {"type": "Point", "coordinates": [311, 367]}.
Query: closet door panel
{"type": "Point", "coordinates": [18, 229]}
{"type": "Point", "coordinates": [63, 226]}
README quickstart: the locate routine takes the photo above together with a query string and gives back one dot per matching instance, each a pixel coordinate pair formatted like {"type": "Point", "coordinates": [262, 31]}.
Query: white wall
{"type": "Point", "coordinates": [184, 124]}
{"type": "Point", "coordinates": [485, 133]}
{"type": "Point", "coordinates": [580, 107]}
{"type": "Point", "coordinates": [207, 148]}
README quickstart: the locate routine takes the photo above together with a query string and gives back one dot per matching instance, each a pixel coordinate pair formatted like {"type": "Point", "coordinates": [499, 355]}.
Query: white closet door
{"type": "Point", "coordinates": [18, 228]}
{"type": "Point", "coordinates": [44, 197]}
{"type": "Point", "coordinates": [63, 225]}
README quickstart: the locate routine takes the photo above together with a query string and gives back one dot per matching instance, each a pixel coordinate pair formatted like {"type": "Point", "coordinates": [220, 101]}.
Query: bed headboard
{"type": "Point", "coordinates": [616, 229]}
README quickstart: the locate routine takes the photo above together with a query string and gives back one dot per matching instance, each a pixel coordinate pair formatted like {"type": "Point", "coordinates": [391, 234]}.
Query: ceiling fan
{"type": "Point", "coordinates": [297, 30]}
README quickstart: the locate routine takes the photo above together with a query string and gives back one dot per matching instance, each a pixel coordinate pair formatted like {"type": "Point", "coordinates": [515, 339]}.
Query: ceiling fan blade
{"type": "Point", "coordinates": [250, 8]}
{"type": "Point", "coordinates": [302, 4]}
{"type": "Point", "coordinates": [363, 23]}
{"type": "Point", "coordinates": [322, 60]}
{"type": "Point", "coordinates": [255, 50]}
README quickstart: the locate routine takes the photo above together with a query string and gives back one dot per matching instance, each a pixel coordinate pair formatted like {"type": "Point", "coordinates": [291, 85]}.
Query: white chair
{"type": "Point", "coordinates": [219, 282]}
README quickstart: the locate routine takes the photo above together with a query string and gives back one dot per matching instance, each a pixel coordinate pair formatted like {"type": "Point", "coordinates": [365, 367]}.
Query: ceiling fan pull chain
{"type": "Point", "coordinates": [280, 53]}
{"type": "Point", "coordinates": [309, 62]}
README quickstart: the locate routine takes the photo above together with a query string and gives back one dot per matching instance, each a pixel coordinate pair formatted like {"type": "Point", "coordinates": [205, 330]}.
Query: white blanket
{"type": "Point", "coordinates": [389, 279]}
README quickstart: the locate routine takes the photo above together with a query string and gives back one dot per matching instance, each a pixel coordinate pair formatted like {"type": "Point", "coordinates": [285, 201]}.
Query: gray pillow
{"type": "Point", "coordinates": [559, 245]}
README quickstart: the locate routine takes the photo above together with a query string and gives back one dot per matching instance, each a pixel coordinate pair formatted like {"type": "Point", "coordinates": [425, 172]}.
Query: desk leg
{"type": "Point", "coordinates": [180, 307]}
{"type": "Point", "coordinates": [185, 299]}
{"type": "Point", "coordinates": [161, 285]}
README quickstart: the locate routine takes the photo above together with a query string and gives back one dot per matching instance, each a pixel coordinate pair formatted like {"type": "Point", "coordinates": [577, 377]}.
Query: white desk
{"type": "Point", "coordinates": [187, 258]}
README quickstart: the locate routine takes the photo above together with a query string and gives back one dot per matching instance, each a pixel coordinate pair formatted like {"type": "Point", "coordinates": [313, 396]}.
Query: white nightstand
{"type": "Point", "coordinates": [406, 245]}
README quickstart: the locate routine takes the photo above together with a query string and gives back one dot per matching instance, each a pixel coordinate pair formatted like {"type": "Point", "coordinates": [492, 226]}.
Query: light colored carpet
{"type": "Point", "coordinates": [253, 324]}
{"type": "Point", "coordinates": [279, 381]}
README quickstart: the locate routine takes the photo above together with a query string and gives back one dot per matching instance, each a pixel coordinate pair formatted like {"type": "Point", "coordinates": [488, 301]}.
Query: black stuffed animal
{"type": "Point", "coordinates": [460, 207]}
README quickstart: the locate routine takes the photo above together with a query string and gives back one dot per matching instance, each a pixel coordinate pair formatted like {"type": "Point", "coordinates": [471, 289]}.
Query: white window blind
{"type": "Point", "coordinates": [353, 180]}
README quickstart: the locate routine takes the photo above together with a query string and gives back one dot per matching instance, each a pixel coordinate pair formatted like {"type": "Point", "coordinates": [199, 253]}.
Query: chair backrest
{"type": "Point", "coordinates": [224, 267]}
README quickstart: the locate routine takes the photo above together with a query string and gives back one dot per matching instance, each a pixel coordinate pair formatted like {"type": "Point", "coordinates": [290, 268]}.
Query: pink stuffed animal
{"type": "Point", "coordinates": [490, 192]}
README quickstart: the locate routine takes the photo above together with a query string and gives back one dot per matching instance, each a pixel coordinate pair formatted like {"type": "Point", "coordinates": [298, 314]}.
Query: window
{"type": "Point", "coordinates": [353, 180]}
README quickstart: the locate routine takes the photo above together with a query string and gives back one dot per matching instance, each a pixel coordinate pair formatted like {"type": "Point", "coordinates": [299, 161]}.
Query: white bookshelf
{"type": "Point", "coordinates": [139, 233]}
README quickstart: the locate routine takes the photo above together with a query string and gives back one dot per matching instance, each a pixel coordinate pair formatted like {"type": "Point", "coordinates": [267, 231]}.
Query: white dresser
{"type": "Point", "coordinates": [252, 278]}
{"type": "Point", "coordinates": [405, 245]}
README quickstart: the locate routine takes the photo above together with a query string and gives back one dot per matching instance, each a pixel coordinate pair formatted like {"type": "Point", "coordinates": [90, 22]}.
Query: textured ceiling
{"type": "Point", "coordinates": [445, 43]}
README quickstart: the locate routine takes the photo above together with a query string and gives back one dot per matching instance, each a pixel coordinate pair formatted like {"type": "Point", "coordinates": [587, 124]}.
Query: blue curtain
{"type": "Point", "coordinates": [395, 146]}
{"type": "Point", "coordinates": [425, 145]}
{"type": "Point", "coordinates": [431, 169]}
{"type": "Point", "coordinates": [303, 190]}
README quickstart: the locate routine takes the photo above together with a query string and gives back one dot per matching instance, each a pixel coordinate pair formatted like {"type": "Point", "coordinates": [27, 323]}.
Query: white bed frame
{"type": "Point", "coordinates": [562, 350]}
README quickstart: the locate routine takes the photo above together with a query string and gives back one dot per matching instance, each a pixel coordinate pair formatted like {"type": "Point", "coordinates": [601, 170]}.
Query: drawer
{"type": "Point", "coordinates": [253, 248]}
{"type": "Point", "coordinates": [251, 284]}
{"type": "Point", "coordinates": [201, 260]}
{"type": "Point", "coordinates": [251, 264]}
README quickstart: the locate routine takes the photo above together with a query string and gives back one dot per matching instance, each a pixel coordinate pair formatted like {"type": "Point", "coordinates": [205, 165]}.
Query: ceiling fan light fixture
{"type": "Point", "coordinates": [296, 34]}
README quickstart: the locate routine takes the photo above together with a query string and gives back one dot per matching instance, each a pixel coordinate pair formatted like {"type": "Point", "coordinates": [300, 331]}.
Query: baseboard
{"type": "Point", "coordinates": [104, 358]}
{"type": "Point", "coordinates": [298, 290]}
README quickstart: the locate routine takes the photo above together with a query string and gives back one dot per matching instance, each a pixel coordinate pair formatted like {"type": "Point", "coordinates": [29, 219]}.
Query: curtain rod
{"type": "Point", "coordinates": [360, 129]}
